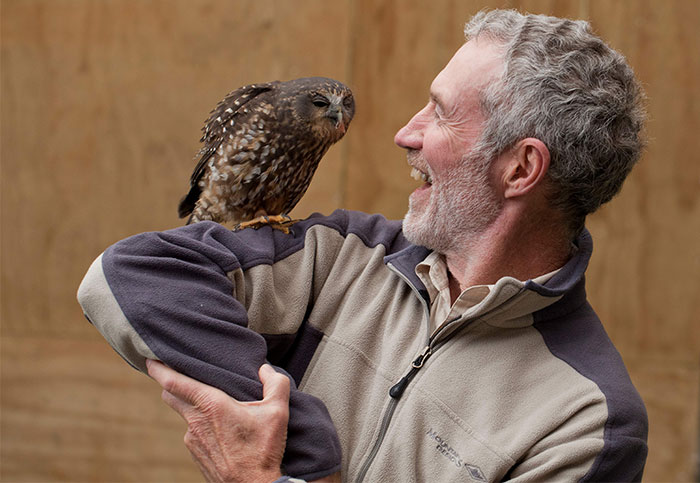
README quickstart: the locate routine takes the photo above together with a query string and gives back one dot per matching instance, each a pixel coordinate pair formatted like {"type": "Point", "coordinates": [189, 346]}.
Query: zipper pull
{"type": "Point", "coordinates": [397, 389]}
{"type": "Point", "coordinates": [420, 360]}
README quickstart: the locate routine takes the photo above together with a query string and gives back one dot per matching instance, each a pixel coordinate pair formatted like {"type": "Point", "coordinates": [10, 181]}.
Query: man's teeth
{"type": "Point", "coordinates": [421, 176]}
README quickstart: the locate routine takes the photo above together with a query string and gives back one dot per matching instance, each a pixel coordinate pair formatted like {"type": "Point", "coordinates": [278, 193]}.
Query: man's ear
{"type": "Point", "coordinates": [526, 166]}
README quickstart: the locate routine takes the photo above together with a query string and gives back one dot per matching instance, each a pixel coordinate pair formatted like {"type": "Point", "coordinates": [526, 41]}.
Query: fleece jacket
{"type": "Point", "coordinates": [525, 386]}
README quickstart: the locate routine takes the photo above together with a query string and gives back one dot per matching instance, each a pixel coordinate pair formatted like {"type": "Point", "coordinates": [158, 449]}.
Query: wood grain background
{"type": "Point", "coordinates": [102, 102]}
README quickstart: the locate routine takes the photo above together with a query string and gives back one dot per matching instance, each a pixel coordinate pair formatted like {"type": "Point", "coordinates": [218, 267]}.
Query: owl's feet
{"type": "Point", "coordinates": [277, 222]}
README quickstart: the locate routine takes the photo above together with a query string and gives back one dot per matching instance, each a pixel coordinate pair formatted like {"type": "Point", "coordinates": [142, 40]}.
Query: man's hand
{"type": "Point", "coordinates": [230, 440]}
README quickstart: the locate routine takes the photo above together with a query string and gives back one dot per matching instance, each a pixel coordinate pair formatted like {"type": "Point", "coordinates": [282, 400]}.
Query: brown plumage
{"type": "Point", "coordinates": [262, 145]}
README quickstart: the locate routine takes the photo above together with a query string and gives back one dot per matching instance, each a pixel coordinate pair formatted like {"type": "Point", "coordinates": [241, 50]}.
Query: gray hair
{"type": "Point", "coordinates": [564, 86]}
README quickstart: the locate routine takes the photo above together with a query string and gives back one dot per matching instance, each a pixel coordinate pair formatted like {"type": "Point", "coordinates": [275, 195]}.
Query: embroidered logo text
{"type": "Point", "coordinates": [445, 449]}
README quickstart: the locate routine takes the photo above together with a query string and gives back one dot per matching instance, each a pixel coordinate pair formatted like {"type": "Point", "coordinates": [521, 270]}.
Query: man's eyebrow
{"type": "Point", "coordinates": [435, 97]}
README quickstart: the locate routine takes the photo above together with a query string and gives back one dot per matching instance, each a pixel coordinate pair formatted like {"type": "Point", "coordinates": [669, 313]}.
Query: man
{"type": "Point", "coordinates": [456, 347]}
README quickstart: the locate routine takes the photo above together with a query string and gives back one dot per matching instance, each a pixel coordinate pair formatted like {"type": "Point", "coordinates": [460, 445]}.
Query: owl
{"type": "Point", "coordinates": [262, 145]}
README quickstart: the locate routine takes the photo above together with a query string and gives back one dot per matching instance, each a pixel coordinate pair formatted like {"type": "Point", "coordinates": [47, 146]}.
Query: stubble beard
{"type": "Point", "coordinates": [458, 210]}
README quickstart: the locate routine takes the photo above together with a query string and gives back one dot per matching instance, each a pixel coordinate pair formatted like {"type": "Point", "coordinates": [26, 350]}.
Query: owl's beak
{"type": "Point", "coordinates": [335, 112]}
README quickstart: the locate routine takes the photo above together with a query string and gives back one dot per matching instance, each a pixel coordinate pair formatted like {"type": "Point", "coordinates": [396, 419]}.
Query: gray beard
{"type": "Point", "coordinates": [459, 209]}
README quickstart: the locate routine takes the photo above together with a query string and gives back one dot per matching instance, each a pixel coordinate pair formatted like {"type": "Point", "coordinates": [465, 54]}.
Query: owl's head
{"type": "Point", "coordinates": [325, 105]}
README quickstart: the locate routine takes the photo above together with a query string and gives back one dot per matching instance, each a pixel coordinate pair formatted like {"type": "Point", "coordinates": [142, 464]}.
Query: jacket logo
{"type": "Point", "coordinates": [445, 449]}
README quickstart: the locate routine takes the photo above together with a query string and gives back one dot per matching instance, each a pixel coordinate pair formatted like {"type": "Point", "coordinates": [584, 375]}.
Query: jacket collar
{"type": "Point", "coordinates": [565, 290]}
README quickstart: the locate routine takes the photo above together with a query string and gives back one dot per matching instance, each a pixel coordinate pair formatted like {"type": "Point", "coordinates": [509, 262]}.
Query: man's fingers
{"type": "Point", "coordinates": [181, 407]}
{"type": "Point", "coordinates": [179, 385]}
{"type": "Point", "coordinates": [162, 374]}
{"type": "Point", "coordinates": [188, 396]}
{"type": "Point", "coordinates": [275, 385]}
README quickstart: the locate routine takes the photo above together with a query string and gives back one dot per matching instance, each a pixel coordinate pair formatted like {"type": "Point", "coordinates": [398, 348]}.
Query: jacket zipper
{"type": "Point", "coordinates": [397, 390]}
{"type": "Point", "coordinates": [399, 387]}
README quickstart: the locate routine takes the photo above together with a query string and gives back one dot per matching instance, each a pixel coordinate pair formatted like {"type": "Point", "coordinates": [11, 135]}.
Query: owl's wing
{"type": "Point", "coordinates": [219, 118]}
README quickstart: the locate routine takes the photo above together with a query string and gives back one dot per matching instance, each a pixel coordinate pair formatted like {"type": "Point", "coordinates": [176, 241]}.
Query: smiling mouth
{"type": "Point", "coordinates": [419, 175]}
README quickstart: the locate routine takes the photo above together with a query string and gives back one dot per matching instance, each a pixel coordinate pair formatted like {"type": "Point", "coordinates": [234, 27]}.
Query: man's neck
{"type": "Point", "coordinates": [518, 249]}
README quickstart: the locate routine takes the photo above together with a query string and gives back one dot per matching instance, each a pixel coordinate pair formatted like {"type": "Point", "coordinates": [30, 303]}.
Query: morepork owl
{"type": "Point", "coordinates": [262, 145]}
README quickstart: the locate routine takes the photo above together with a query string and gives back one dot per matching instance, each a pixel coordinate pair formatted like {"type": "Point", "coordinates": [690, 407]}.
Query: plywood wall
{"type": "Point", "coordinates": [102, 102]}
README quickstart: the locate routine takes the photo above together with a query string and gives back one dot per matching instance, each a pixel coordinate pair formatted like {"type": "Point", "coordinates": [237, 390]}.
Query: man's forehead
{"type": "Point", "coordinates": [473, 66]}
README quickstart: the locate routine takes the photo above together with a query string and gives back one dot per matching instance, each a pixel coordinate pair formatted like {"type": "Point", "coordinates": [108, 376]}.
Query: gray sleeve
{"type": "Point", "coordinates": [103, 311]}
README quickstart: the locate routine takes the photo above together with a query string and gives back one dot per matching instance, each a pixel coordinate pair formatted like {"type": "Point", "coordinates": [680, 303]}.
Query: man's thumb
{"type": "Point", "coordinates": [275, 385]}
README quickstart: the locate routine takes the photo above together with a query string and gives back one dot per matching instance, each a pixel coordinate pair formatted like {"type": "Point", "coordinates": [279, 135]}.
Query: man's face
{"type": "Point", "coordinates": [456, 201]}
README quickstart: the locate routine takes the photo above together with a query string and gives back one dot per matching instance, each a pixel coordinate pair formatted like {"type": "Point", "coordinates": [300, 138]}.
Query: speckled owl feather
{"type": "Point", "coordinates": [262, 145]}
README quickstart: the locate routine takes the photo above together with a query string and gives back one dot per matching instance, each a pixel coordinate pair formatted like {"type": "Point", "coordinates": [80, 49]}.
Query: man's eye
{"type": "Point", "coordinates": [437, 110]}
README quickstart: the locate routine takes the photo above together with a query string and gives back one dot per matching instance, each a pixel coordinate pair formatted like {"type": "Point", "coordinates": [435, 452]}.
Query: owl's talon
{"type": "Point", "coordinates": [276, 222]}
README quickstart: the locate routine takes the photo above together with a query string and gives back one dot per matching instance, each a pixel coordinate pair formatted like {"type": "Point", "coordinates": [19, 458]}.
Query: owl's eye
{"type": "Point", "coordinates": [347, 102]}
{"type": "Point", "coordinates": [320, 102]}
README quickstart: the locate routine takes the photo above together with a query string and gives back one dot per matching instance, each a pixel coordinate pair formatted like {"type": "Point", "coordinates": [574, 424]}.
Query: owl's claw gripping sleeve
{"type": "Point", "coordinates": [171, 296]}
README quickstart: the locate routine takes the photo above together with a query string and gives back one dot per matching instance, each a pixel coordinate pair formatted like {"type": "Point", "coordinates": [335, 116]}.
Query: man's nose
{"type": "Point", "coordinates": [411, 135]}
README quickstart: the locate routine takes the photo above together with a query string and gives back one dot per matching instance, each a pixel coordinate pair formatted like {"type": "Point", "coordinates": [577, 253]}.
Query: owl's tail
{"type": "Point", "coordinates": [188, 201]}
